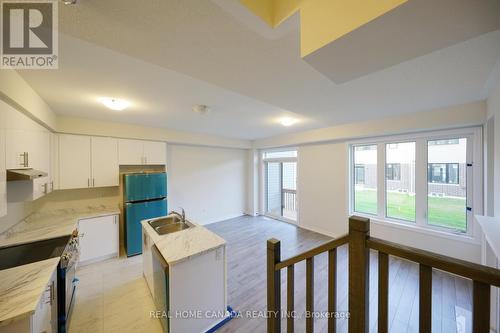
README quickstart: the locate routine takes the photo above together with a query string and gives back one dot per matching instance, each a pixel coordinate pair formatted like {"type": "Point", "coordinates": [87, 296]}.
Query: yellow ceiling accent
{"type": "Point", "coordinates": [321, 21]}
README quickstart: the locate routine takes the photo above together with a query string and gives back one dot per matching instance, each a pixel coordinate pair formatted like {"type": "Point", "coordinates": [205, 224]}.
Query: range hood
{"type": "Point", "coordinates": [24, 174]}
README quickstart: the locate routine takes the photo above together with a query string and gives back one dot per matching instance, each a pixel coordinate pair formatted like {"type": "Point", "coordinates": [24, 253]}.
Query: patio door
{"type": "Point", "coordinates": [281, 189]}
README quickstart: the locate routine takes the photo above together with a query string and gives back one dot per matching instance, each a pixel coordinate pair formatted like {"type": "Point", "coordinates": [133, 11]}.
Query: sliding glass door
{"type": "Point", "coordinates": [281, 186]}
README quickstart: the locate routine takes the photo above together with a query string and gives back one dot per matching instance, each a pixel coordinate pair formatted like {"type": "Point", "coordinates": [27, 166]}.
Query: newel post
{"type": "Point", "coordinates": [359, 274]}
{"type": "Point", "coordinates": [273, 286]}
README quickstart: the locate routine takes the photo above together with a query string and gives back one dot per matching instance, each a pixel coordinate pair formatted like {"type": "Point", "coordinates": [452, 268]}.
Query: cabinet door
{"type": "Point", "coordinates": [74, 161]}
{"type": "Point", "coordinates": [54, 165]}
{"type": "Point", "coordinates": [98, 238]}
{"type": "Point", "coordinates": [130, 152]}
{"type": "Point", "coordinates": [104, 162]}
{"type": "Point", "coordinates": [155, 152]}
{"type": "Point", "coordinates": [45, 317]}
{"type": "Point", "coordinates": [18, 142]}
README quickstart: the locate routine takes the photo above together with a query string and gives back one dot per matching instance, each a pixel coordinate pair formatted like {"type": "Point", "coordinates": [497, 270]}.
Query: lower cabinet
{"type": "Point", "coordinates": [44, 319]}
{"type": "Point", "coordinates": [147, 259]}
{"type": "Point", "coordinates": [99, 238]}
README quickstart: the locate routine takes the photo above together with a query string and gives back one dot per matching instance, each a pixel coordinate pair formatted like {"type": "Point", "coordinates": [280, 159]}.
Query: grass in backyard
{"type": "Point", "coordinates": [443, 211]}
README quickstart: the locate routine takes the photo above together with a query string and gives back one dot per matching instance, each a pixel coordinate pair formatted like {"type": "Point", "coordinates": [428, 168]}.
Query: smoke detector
{"type": "Point", "coordinates": [201, 109]}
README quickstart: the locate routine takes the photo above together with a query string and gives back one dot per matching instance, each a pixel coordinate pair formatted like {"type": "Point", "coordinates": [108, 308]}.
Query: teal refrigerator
{"type": "Point", "coordinates": [145, 197]}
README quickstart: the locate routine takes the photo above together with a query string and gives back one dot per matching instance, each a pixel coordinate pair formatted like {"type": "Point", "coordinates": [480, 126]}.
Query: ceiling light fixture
{"type": "Point", "coordinates": [287, 121]}
{"type": "Point", "coordinates": [69, 2]}
{"type": "Point", "coordinates": [201, 109]}
{"type": "Point", "coordinates": [114, 103]}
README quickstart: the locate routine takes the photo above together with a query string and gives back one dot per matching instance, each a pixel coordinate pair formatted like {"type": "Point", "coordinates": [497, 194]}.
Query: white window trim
{"type": "Point", "coordinates": [474, 189]}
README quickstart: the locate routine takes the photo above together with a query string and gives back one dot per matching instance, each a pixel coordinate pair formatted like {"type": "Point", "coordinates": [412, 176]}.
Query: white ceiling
{"type": "Point", "coordinates": [166, 55]}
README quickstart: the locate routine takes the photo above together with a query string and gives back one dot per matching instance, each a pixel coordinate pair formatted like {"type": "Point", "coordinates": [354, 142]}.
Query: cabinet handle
{"type": "Point", "coordinates": [88, 182]}
{"type": "Point", "coordinates": [45, 187]}
{"type": "Point", "coordinates": [27, 160]}
{"type": "Point", "coordinates": [93, 182]}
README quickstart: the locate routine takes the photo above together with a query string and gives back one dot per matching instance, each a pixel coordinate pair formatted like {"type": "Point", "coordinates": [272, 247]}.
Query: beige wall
{"type": "Point", "coordinates": [121, 130]}
{"type": "Point", "coordinates": [449, 117]}
{"type": "Point", "coordinates": [15, 91]}
{"type": "Point", "coordinates": [493, 104]}
{"type": "Point", "coordinates": [209, 183]}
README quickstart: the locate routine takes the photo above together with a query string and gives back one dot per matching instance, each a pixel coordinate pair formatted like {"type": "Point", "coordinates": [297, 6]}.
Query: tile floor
{"type": "Point", "coordinates": [113, 297]}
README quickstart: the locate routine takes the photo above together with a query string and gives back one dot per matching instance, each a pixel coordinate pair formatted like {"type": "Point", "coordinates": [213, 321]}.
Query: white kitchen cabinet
{"type": "Point", "coordinates": [130, 152]}
{"type": "Point", "coordinates": [155, 153]}
{"type": "Point", "coordinates": [54, 163]}
{"type": "Point", "coordinates": [44, 319]}
{"type": "Point", "coordinates": [147, 260]}
{"type": "Point", "coordinates": [99, 238]}
{"type": "Point", "coordinates": [86, 161]}
{"type": "Point", "coordinates": [74, 161]}
{"type": "Point", "coordinates": [138, 152]}
{"type": "Point", "coordinates": [105, 170]}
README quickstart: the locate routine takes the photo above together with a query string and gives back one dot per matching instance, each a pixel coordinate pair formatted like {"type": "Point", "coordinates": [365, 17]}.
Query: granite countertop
{"type": "Point", "coordinates": [22, 287]}
{"type": "Point", "coordinates": [182, 245]}
{"type": "Point", "coordinates": [47, 225]}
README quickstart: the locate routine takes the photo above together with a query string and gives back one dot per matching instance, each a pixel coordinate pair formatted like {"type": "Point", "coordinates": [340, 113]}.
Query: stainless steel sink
{"type": "Point", "coordinates": [170, 228]}
{"type": "Point", "coordinates": [169, 224]}
{"type": "Point", "coordinates": [164, 221]}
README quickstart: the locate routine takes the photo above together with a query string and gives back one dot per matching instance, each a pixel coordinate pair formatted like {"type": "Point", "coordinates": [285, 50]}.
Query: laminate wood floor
{"type": "Point", "coordinates": [246, 245]}
{"type": "Point", "coordinates": [113, 295]}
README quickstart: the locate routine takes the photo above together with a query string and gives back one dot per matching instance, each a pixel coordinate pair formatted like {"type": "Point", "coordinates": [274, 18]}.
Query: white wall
{"type": "Point", "coordinates": [209, 183]}
{"type": "Point", "coordinates": [493, 105]}
{"type": "Point", "coordinates": [321, 188]}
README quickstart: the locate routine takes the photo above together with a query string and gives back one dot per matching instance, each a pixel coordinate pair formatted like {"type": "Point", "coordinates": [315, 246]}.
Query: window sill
{"type": "Point", "coordinates": [416, 228]}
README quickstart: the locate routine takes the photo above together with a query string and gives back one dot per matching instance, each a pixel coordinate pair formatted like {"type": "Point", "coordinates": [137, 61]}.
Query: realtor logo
{"type": "Point", "coordinates": [29, 34]}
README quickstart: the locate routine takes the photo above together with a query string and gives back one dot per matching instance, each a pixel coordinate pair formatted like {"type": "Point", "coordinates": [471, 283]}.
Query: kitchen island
{"type": "Point", "coordinates": [186, 274]}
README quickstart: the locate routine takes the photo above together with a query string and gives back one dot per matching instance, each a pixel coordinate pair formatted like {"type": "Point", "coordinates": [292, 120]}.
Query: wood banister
{"type": "Point", "coordinates": [273, 286]}
{"type": "Point", "coordinates": [480, 273]}
{"type": "Point", "coordinates": [383, 292]}
{"type": "Point", "coordinates": [360, 243]}
{"type": "Point", "coordinates": [313, 252]}
{"type": "Point", "coordinates": [359, 275]}
{"type": "Point", "coordinates": [310, 294]}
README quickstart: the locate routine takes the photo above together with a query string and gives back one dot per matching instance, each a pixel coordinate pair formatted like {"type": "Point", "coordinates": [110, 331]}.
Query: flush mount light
{"type": "Point", "coordinates": [287, 121]}
{"type": "Point", "coordinates": [69, 2]}
{"type": "Point", "coordinates": [201, 108]}
{"type": "Point", "coordinates": [114, 103]}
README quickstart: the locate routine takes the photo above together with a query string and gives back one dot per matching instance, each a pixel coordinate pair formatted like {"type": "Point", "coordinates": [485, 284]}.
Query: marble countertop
{"type": "Point", "coordinates": [21, 289]}
{"type": "Point", "coordinates": [491, 231]}
{"type": "Point", "coordinates": [47, 225]}
{"type": "Point", "coordinates": [182, 245]}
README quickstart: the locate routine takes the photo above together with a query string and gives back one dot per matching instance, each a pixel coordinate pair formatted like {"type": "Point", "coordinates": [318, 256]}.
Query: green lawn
{"type": "Point", "coordinates": [446, 212]}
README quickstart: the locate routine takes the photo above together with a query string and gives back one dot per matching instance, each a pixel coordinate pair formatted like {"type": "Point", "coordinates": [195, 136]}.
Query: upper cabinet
{"type": "Point", "coordinates": [27, 146]}
{"type": "Point", "coordinates": [86, 161]}
{"type": "Point", "coordinates": [130, 152]}
{"type": "Point", "coordinates": [105, 171]}
{"type": "Point", "coordinates": [138, 152]}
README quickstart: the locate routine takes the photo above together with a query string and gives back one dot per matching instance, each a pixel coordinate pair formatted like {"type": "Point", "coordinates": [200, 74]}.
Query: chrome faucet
{"type": "Point", "coordinates": [182, 215]}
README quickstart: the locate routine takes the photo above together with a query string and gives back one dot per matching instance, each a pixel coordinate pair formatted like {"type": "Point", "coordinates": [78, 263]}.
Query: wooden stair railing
{"type": "Point", "coordinates": [360, 244]}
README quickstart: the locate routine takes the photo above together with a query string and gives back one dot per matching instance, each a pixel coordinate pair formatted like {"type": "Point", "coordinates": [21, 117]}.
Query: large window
{"type": "Point", "coordinates": [425, 179]}
{"type": "Point", "coordinates": [365, 179]}
{"type": "Point", "coordinates": [400, 184]}
{"type": "Point", "coordinates": [447, 183]}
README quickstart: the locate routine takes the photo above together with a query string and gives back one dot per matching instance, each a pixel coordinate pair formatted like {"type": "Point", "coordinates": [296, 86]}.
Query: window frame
{"type": "Point", "coordinates": [447, 173]}
{"type": "Point", "coordinates": [263, 162]}
{"type": "Point", "coordinates": [474, 174]}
